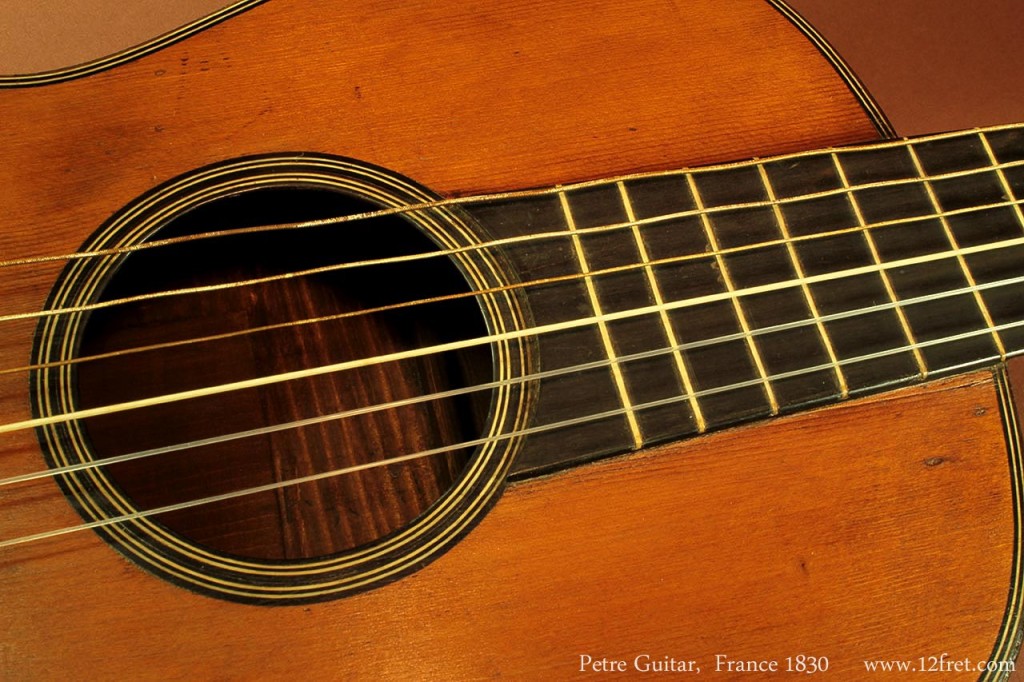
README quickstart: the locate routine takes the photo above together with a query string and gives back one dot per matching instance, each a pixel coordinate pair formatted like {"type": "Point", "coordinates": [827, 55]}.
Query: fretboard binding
{"type": "Point", "coordinates": [922, 366]}
{"type": "Point", "coordinates": [602, 325]}
{"type": "Point", "coordinates": [968, 275]}
{"type": "Point", "coordinates": [826, 339]}
{"type": "Point", "coordinates": [670, 334]}
{"type": "Point", "coordinates": [741, 317]}
{"type": "Point", "coordinates": [887, 144]}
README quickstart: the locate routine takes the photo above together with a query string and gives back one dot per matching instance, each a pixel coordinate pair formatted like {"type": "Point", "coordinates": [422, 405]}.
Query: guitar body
{"type": "Point", "coordinates": [881, 528]}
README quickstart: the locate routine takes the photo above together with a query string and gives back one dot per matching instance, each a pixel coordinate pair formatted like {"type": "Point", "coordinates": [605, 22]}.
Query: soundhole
{"type": "Point", "coordinates": [288, 415]}
{"type": "Point", "coordinates": [248, 331]}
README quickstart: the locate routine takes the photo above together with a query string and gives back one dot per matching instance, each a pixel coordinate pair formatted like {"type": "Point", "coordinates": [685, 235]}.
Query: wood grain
{"type": "Point", "coordinates": [526, 109]}
{"type": "Point", "coordinates": [845, 533]}
{"type": "Point", "coordinates": [824, 534]}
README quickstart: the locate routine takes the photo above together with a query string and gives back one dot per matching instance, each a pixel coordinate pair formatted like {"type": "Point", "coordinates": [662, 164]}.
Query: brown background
{"type": "Point", "coordinates": [933, 65]}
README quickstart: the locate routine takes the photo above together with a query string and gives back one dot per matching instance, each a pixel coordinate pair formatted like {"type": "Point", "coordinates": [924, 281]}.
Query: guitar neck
{"type": "Point", "coordinates": [705, 298]}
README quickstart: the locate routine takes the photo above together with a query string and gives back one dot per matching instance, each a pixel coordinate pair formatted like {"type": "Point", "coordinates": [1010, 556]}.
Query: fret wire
{"type": "Point", "coordinates": [670, 333]}
{"type": "Point", "coordinates": [956, 246]}
{"type": "Point", "coordinates": [731, 291]}
{"type": "Point", "coordinates": [922, 366]}
{"type": "Point", "coordinates": [602, 325]}
{"type": "Point", "coordinates": [514, 334]}
{"type": "Point", "coordinates": [994, 162]}
{"type": "Point", "coordinates": [780, 220]}
{"type": "Point", "coordinates": [530, 193]}
{"type": "Point", "coordinates": [25, 539]}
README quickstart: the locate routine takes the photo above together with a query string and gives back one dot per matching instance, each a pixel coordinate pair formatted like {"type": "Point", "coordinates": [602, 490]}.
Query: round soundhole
{"type": "Point", "coordinates": [290, 325]}
{"type": "Point", "coordinates": [318, 403]}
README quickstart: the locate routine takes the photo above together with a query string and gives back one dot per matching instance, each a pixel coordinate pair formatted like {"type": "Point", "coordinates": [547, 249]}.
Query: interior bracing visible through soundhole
{"type": "Point", "coordinates": [332, 534]}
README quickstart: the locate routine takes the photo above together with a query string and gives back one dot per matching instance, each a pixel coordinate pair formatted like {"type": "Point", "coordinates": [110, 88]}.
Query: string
{"type": "Point", "coordinates": [515, 334]}
{"type": "Point", "coordinates": [752, 291]}
{"type": "Point", "coordinates": [575, 421]}
{"type": "Point", "coordinates": [537, 376]}
{"type": "Point", "coordinates": [466, 294]}
{"type": "Point", "coordinates": [546, 191]}
{"type": "Point", "coordinates": [393, 260]}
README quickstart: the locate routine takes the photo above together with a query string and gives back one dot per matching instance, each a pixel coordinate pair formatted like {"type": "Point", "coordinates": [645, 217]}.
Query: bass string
{"type": "Point", "coordinates": [603, 272]}
{"type": "Point", "coordinates": [519, 433]}
{"type": "Point", "coordinates": [537, 376]}
{"type": "Point", "coordinates": [562, 234]}
{"type": "Point", "coordinates": [568, 187]}
{"type": "Point", "coordinates": [515, 334]}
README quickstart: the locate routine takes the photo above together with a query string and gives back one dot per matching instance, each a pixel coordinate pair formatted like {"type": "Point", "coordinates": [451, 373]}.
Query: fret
{"type": "Point", "coordinates": [570, 393]}
{"type": "Point", "coordinates": [920, 263]}
{"type": "Point", "coordinates": [623, 285]}
{"type": "Point", "coordinates": [595, 304]}
{"type": "Point", "coordinates": [812, 306]}
{"type": "Point", "coordinates": [949, 156]}
{"type": "Point", "coordinates": [1008, 147]}
{"type": "Point", "coordinates": [882, 165]}
{"type": "Point", "coordinates": [760, 267]}
{"type": "Point", "coordinates": [990, 183]}
{"type": "Point", "coordinates": [1005, 150]}
{"type": "Point", "coordinates": [996, 337]}
{"type": "Point", "coordinates": [761, 287]}
{"type": "Point", "coordinates": [841, 274]}
{"type": "Point", "coordinates": [670, 335]}
{"type": "Point", "coordinates": [730, 287]}
{"type": "Point", "coordinates": [1007, 190]}
{"type": "Point", "coordinates": [686, 271]}
{"type": "Point", "coordinates": [886, 280]}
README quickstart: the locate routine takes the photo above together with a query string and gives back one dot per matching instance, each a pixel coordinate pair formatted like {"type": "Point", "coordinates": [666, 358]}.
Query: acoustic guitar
{"type": "Point", "coordinates": [456, 340]}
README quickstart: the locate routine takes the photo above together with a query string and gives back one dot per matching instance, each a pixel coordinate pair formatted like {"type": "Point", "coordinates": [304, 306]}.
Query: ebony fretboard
{"type": "Point", "coordinates": [766, 287]}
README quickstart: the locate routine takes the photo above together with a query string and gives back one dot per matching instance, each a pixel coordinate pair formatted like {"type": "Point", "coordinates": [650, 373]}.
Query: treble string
{"type": "Point", "coordinates": [547, 191]}
{"type": "Point", "coordinates": [537, 376]}
{"type": "Point", "coordinates": [515, 334]}
{"type": "Point", "coordinates": [519, 433]}
{"type": "Point", "coordinates": [493, 338]}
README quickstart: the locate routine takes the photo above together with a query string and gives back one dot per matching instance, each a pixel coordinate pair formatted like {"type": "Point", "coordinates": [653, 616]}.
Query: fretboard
{"type": "Point", "coordinates": [728, 294]}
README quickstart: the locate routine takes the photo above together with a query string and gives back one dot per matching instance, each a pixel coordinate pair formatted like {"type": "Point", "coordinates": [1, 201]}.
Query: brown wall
{"type": "Point", "coordinates": [933, 65]}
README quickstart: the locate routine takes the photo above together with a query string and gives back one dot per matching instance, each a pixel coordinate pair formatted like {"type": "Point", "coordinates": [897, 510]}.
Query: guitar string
{"type": "Point", "coordinates": [277, 485]}
{"type": "Point", "coordinates": [471, 293]}
{"type": "Point", "coordinates": [537, 376]}
{"type": "Point", "coordinates": [668, 260]}
{"type": "Point", "coordinates": [821, 235]}
{"type": "Point", "coordinates": [503, 336]}
{"type": "Point", "coordinates": [509, 241]}
{"type": "Point", "coordinates": [568, 187]}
